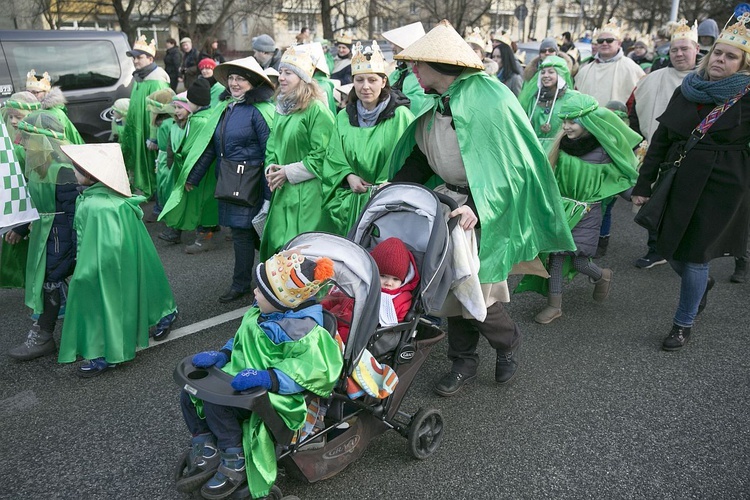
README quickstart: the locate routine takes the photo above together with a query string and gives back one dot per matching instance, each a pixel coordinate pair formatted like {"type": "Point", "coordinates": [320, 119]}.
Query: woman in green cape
{"type": "Point", "coordinates": [296, 148]}
{"type": "Point", "coordinates": [361, 146]}
{"type": "Point", "coordinates": [543, 96]}
{"type": "Point", "coordinates": [593, 160]}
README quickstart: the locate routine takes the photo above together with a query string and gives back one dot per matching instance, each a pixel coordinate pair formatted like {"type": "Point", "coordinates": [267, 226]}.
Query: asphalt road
{"type": "Point", "coordinates": [597, 410]}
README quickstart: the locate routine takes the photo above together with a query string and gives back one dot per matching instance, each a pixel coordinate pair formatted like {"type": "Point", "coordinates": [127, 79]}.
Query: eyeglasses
{"type": "Point", "coordinates": [604, 40]}
{"type": "Point", "coordinates": [548, 51]}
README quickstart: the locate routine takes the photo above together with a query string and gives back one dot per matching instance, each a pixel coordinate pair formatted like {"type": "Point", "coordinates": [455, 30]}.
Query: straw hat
{"type": "Point", "coordinates": [315, 49]}
{"type": "Point", "coordinates": [103, 161]}
{"type": "Point", "coordinates": [405, 35]}
{"type": "Point", "coordinates": [245, 66]}
{"type": "Point", "coordinates": [443, 45]}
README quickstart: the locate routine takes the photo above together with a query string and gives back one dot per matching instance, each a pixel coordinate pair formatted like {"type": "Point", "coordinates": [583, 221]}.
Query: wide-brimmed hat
{"type": "Point", "coordinates": [245, 66]}
{"type": "Point", "coordinates": [102, 161]}
{"type": "Point", "coordinates": [443, 45]}
{"type": "Point", "coordinates": [405, 35]}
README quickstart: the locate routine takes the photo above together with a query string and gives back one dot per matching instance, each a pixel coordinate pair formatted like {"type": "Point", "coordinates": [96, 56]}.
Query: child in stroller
{"type": "Point", "coordinates": [398, 278]}
{"type": "Point", "coordinates": [282, 347]}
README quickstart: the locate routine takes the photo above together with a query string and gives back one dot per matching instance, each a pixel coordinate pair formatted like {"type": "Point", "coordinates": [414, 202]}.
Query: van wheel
{"type": "Point", "coordinates": [425, 433]}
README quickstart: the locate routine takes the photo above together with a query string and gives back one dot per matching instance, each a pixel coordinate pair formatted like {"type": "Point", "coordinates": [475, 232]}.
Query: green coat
{"type": "Point", "coordinates": [187, 210]}
{"type": "Point", "coordinates": [164, 178]}
{"type": "Point", "coordinates": [139, 160]}
{"type": "Point", "coordinates": [365, 152]}
{"type": "Point", "coordinates": [297, 208]}
{"type": "Point", "coordinates": [539, 114]}
{"type": "Point", "coordinates": [119, 288]}
{"type": "Point", "coordinates": [513, 187]}
{"type": "Point", "coordinates": [71, 132]}
{"type": "Point", "coordinates": [216, 91]}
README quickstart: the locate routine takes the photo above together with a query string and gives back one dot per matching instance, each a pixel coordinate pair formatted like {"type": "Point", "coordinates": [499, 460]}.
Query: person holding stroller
{"type": "Point", "coordinates": [497, 172]}
{"type": "Point", "coordinates": [281, 346]}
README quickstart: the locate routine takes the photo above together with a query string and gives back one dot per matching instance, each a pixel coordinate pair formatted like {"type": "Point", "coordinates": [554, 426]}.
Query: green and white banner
{"type": "Point", "coordinates": [16, 207]}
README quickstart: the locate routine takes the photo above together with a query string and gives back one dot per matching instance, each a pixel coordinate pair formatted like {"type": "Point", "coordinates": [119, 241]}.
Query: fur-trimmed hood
{"type": "Point", "coordinates": [54, 98]}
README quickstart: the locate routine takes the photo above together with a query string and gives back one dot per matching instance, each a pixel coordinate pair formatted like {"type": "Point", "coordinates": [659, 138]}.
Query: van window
{"type": "Point", "coordinates": [71, 64]}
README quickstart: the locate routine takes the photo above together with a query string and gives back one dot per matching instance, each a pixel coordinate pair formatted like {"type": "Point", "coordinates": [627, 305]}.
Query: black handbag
{"type": "Point", "coordinates": [651, 213]}
{"type": "Point", "coordinates": [239, 183]}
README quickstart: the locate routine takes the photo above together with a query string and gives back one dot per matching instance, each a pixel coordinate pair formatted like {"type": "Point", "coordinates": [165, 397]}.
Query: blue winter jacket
{"type": "Point", "coordinates": [240, 135]}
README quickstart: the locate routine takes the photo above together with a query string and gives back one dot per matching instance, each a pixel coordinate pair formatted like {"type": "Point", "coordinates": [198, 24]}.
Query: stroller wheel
{"type": "Point", "coordinates": [425, 433]}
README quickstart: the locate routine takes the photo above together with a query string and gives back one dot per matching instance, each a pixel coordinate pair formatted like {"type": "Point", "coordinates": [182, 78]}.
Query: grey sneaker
{"type": "Point", "coordinates": [203, 243]}
{"type": "Point", "coordinates": [37, 344]}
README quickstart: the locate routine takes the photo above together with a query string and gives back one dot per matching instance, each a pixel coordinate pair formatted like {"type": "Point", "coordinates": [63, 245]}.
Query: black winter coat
{"type": "Point", "coordinates": [707, 211]}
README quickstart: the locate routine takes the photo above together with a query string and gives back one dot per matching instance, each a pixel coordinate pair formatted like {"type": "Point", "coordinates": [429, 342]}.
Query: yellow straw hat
{"type": "Point", "coordinates": [103, 161]}
{"type": "Point", "coordinates": [443, 45]}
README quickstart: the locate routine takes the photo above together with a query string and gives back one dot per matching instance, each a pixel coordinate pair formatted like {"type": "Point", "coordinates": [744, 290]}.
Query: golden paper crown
{"type": "Point", "coordinates": [33, 82]}
{"type": "Point", "coordinates": [345, 37]}
{"type": "Point", "coordinates": [368, 59]}
{"type": "Point", "coordinates": [611, 27]}
{"type": "Point", "coordinates": [737, 34]}
{"type": "Point", "coordinates": [475, 37]}
{"type": "Point", "coordinates": [684, 32]}
{"type": "Point", "coordinates": [300, 60]}
{"type": "Point", "coordinates": [291, 282]}
{"type": "Point", "coordinates": [143, 46]}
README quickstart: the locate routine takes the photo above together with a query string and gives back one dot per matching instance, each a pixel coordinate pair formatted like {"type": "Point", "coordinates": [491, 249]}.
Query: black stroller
{"type": "Point", "coordinates": [351, 424]}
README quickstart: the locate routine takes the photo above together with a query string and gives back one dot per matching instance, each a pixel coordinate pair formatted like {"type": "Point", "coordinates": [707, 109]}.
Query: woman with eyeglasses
{"type": "Point", "coordinates": [706, 130]}
{"type": "Point", "coordinates": [232, 141]}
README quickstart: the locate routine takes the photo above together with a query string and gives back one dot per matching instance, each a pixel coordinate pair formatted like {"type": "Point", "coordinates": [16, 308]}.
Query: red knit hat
{"type": "Point", "coordinates": [392, 258]}
{"type": "Point", "coordinates": [206, 63]}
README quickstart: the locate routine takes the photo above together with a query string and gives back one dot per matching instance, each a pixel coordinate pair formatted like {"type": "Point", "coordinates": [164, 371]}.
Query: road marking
{"type": "Point", "coordinates": [201, 325]}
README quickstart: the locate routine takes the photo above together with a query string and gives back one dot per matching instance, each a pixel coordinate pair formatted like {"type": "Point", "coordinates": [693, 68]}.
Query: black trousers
{"type": "Point", "coordinates": [463, 336]}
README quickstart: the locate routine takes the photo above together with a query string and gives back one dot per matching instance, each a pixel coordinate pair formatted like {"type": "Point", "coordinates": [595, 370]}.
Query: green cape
{"type": "Point", "coordinates": [71, 133]}
{"type": "Point", "coordinates": [13, 257]}
{"type": "Point", "coordinates": [185, 210]}
{"type": "Point", "coordinates": [139, 160]}
{"type": "Point", "coordinates": [216, 90]}
{"type": "Point", "coordinates": [411, 89]}
{"type": "Point", "coordinates": [363, 151]}
{"type": "Point", "coordinates": [327, 86]}
{"type": "Point", "coordinates": [297, 208]}
{"type": "Point", "coordinates": [164, 177]}
{"type": "Point", "coordinates": [512, 184]}
{"type": "Point", "coordinates": [314, 362]}
{"type": "Point", "coordinates": [119, 288]}
{"type": "Point", "coordinates": [528, 93]}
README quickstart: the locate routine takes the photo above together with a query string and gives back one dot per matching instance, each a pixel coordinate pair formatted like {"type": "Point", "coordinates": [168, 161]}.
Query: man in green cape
{"type": "Point", "coordinates": [281, 346]}
{"type": "Point", "coordinates": [138, 148]}
{"type": "Point", "coordinates": [476, 137]}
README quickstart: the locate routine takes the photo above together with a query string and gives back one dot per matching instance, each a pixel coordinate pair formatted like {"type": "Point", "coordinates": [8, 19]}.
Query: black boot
{"type": "Point", "coordinates": [677, 338]}
{"type": "Point", "coordinates": [740, 270]}
{"type": "Point", "coordinates": [601, 249]}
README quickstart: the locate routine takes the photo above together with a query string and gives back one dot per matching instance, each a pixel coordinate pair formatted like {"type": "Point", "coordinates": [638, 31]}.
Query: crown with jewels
{"type": "Point", "coordinates": [611, 27]}
{"type": "Point", "coordinates": [684, 32]}
{"type": "Point", "coordinates": [737, 34]}
{"type": "Point", "coordinates": [368, 59]}
{"type": "Point", "coordinates": [38, 83]}
{"type": "Point", "coordinates": [301, 60]}
{"type": "Point", "coordinates": [345, 38]}
{"type": "Point", "coordinates": [143, 46]}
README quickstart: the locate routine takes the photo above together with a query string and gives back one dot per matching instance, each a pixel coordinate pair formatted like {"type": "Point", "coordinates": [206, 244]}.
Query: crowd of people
{"type": "Point", "coordinates": [297, 140]}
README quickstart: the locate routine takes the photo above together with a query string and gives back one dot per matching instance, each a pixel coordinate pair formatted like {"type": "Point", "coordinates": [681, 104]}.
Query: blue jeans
{"type": "Point", "coordinates": [224, 422]}
{"type": "Point", "coordinates": [694, 279]}
{"type": "Point", "coordinates": [244, 242]}
{"type": "Point", "coordinates": [607, 218]}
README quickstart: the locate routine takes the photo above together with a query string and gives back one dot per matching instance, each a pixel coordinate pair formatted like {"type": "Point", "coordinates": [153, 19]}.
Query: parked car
{"type": "Point", "coordinates": [531, 50]}
{"type": "Point", "coordinates": [91, 68]}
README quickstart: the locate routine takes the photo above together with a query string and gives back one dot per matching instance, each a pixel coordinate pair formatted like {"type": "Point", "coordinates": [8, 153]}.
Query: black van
{"type": "Point", "coordinates": [91, 67]}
